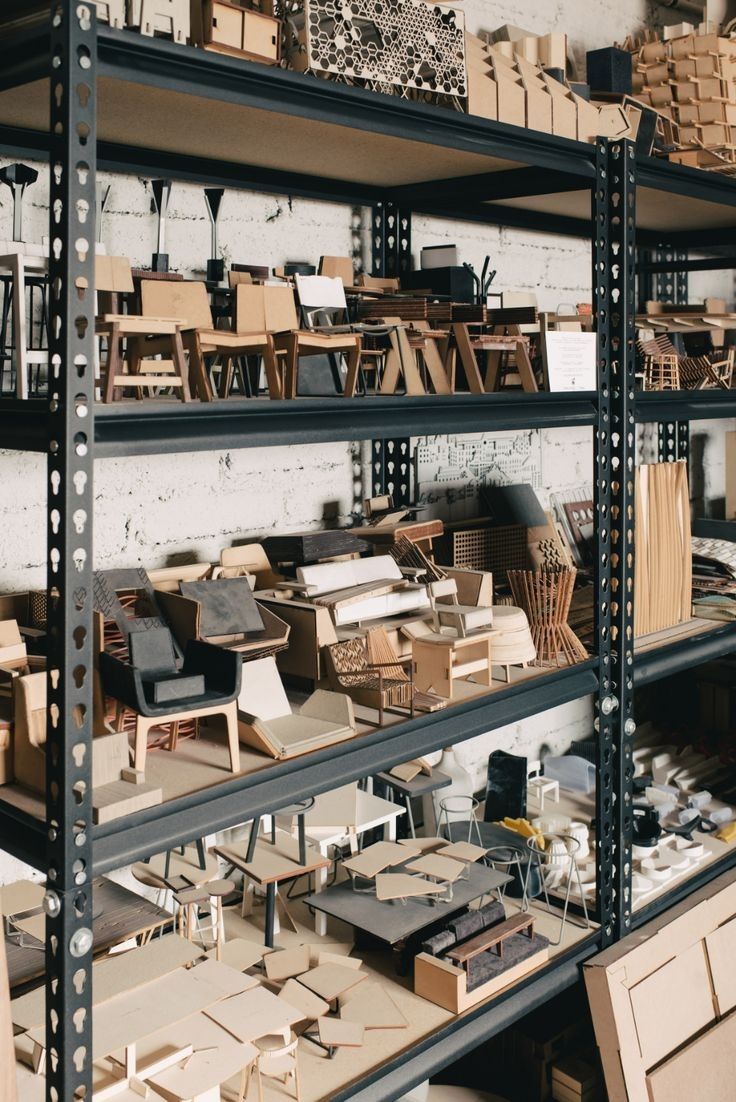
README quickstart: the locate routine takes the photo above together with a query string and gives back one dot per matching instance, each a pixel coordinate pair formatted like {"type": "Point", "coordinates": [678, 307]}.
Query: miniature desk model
{"type": "Point", "coordinates": [269, 863]}
{"type": "Point", "coordinates": [421, 785]}
{"type": "Point", "coordinates": [441, 660]}
{"type": "Point", "coordinates": [395, 922]}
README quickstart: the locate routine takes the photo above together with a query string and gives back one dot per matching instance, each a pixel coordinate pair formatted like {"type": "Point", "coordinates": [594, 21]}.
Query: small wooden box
{"type": "Point", "coordinates": [226, 28]}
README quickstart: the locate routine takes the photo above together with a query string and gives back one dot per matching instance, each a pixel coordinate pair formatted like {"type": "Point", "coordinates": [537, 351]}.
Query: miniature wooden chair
{"type": "Point", "coordinates": [112, 12]}
{"type": "Point", "coordinates": [276, 1060]}
{"type": "Point", "coordinates": [189, 301]}
{"type": "Point", "coordinates": [464, 620]}
{"type": "Point", "coordinates": [377, 685]}
{"type": "Point", "coordinates": [539, 787]}
{"type": "Point", "coordinates": [321, 299]}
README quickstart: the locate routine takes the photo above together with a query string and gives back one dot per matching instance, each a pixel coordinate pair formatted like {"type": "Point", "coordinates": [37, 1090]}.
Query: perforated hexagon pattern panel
{"type": "Point", "coordinates": [408, 43]}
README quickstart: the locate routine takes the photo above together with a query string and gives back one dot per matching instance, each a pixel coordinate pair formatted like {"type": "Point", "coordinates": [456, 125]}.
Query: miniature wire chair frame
{"type": "Point", "coordinates": [546, 596]}
{"type": "Point", "coordinates": [515, 864]}
{"type": "Point", "coordinates": [555, 856]}
{"type": "Point", "coordinates": [456, 812]}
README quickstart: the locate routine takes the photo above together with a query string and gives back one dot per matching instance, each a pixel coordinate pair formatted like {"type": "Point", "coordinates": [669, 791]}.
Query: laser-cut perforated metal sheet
{"type": "Point", "coordinates": [408, 43]}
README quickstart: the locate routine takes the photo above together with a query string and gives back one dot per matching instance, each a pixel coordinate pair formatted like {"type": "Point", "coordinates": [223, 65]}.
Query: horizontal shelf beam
{"type": "Point", "coordinates": [685, 654]}
{"type": "Point", "coordinates": [239, 799]}
{"type": "Point", "coordinates": [510, 184]}
{"type": "Point", "coordinates": [159, 427]}
{"type": "Point", "coordinates": [22, 836]}
{"type": "Point", "coordinates": [685, 405]}
{"type": "Point", "coordinates": [471, 1029]}
{"type": "Point", "coordinates": [715, 529]}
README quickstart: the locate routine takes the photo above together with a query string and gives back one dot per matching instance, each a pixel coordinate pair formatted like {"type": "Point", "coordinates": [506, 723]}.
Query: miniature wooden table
{"type": "Point", "coordinates": [421, 785]}
{"type": "Point", "coordinates": [441, 660]}
{"type": "Point", "coordinates": [216, 1057]}
{"type": "Point", "coordinates": [394, 924]}
{"type": "Point", "coordinates": [403, 886]}
{"type": "Point", "coordinates": [376, 858]}
{"type": "Point", "coordinates": [273, 863]}
{"type": "Point", "coordinates": [16, 264]}
{"type": "Point", "coordinates": [347, 812]}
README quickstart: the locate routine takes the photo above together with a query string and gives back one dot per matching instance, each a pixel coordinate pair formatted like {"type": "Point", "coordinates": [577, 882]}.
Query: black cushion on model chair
{"type": "Point", "coordinates": [152, 654]}
{"type": "Point", "coordinates": [227, 607]}
{"type": "Point", "coordinates": [210, 676]}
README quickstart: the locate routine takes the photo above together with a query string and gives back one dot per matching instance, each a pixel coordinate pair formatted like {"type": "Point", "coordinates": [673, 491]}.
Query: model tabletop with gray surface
{"type": "Point", "coordinates": [395, 921]}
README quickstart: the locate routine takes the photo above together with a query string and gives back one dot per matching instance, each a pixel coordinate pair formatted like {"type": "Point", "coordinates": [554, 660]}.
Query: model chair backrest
{"type": "Point", "coordinates": [152, 652]}
{"type": "Point", "coordinates": [262, 692]}
{"type": "Point", "coordinates": [320, 298]}
{"type": "Point", "coordinates": [30, 709]}
{"type": "Point", "coordinates": [329, 577]}
{"type": "Point", "coordinates": [164, 298]}
{"type": "Point", "coordinates": [113, 274]}
{"type": "Point", "coordinates": [338, 266]}
{"type": "Point", "coordinates": [264, 308]}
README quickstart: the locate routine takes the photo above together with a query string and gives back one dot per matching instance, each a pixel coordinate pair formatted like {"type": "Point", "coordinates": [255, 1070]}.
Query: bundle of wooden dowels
{"type": "Point", "coordinates": [663, 558]}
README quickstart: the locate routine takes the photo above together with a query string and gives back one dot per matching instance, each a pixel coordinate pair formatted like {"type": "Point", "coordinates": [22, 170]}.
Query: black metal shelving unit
{"type": "Point", "coordinates": [121, 102]}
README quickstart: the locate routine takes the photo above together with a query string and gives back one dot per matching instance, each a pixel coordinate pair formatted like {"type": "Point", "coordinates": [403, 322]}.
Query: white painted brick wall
{"type": "Point", "coordinates": [152, 510]}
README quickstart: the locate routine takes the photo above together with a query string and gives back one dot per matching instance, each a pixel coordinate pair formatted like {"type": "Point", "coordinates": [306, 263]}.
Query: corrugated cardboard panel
{"type": "Point", "coordinates": [702, 1070]}
{"type": "Point", "coordinates": [721, 949]}
{"type": "Point", "coordinates": [672, 1005]}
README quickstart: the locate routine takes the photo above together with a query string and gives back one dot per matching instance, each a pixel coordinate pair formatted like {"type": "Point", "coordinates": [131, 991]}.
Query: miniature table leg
{"type": "Point", "coordinates": [270, 914]}
{"type": "Point", "coordinates": [389, 829]}
{"type": "Point", "coordinates": [320, 878]}
{"type": "Point", "coordinates": [17, 268]}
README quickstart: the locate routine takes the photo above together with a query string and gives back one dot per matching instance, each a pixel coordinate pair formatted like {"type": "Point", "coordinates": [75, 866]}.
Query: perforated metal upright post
{"type": "Point", "coordinates": [68, 900]}
{"type": "Point", "coordinates": [614, 289]}
{"type": "Point", "coordinates": [391, 240]}
{"type": "Point", "coordinates": [391, 256]}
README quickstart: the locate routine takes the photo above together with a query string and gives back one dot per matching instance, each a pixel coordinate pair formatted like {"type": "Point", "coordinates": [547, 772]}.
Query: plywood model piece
{"type": "Point", "coordinates": [254, 1014]}
{"type": "Point", "coordinates": [374, 859]}
{"type": "Point", "coordinates": [338, 1033]}
{"type": "Point", "coordinates": [301, 998]}
{"type": "Point", "coordinates": [399, 885]}
{"type": "Point", "coordinates": [373, 1007]}
{"type": "Point", "coordinates": [330, 981]}
{"type": "Point", "coordinates": [438, 867]}
{"type": "Point", "coordinates": [286, 963]}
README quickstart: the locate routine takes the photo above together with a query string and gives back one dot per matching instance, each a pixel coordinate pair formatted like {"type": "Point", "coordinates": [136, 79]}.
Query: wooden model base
{"type": "Point", "coordinates": [442, 983]}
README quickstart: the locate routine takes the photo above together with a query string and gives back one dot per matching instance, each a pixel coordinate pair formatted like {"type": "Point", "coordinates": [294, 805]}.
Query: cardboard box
{"type": "Point", "coordinates": [656, 990]}
{"type": "Point", "coordinates": [225, 27]}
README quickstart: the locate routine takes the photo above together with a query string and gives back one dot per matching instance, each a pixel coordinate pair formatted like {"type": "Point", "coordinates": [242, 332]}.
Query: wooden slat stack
{"type": "Point", "coordinates": [663, 558]}
{"type": "Point", "coordinates": [692, 80]}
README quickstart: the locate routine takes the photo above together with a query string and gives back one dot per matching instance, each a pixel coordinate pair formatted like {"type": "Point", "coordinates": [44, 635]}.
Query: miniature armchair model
{"type": "Point", "coordinates": [378, 685]}
{"type": "Point", "coordinates": [189, 301]}
{"type": "Point", "coordinates": [447, 613]}
{"type": "Point", "coordinates": [267, 723]}
{"type": "Point", "coordinates": [152, 686]}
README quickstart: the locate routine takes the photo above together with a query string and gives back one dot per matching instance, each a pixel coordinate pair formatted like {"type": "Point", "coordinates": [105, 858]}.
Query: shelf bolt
{"type": "Point", "coordinates": [81, 942]}
{"type": "Point", "coordinates": [51, 904]}
{"type": "Point", "coordinates": [609, 704]}
{"type": "Point", "coordinates": [629, 727]}
{"type": "Point", "coordinates": [53, 834]}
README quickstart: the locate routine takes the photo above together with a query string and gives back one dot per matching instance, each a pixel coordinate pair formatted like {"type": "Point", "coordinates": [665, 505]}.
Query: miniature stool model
{"type": "Point", "coordinates": [539, 786]}
{"type": "Point", "coordinates": [188, 901]}
{"type": "Point", "coordinates": [117, 328]}
{"type": "Point", "coordinates": [513, 644]}
{"type": "Point", "coordinates": [440, 660]}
